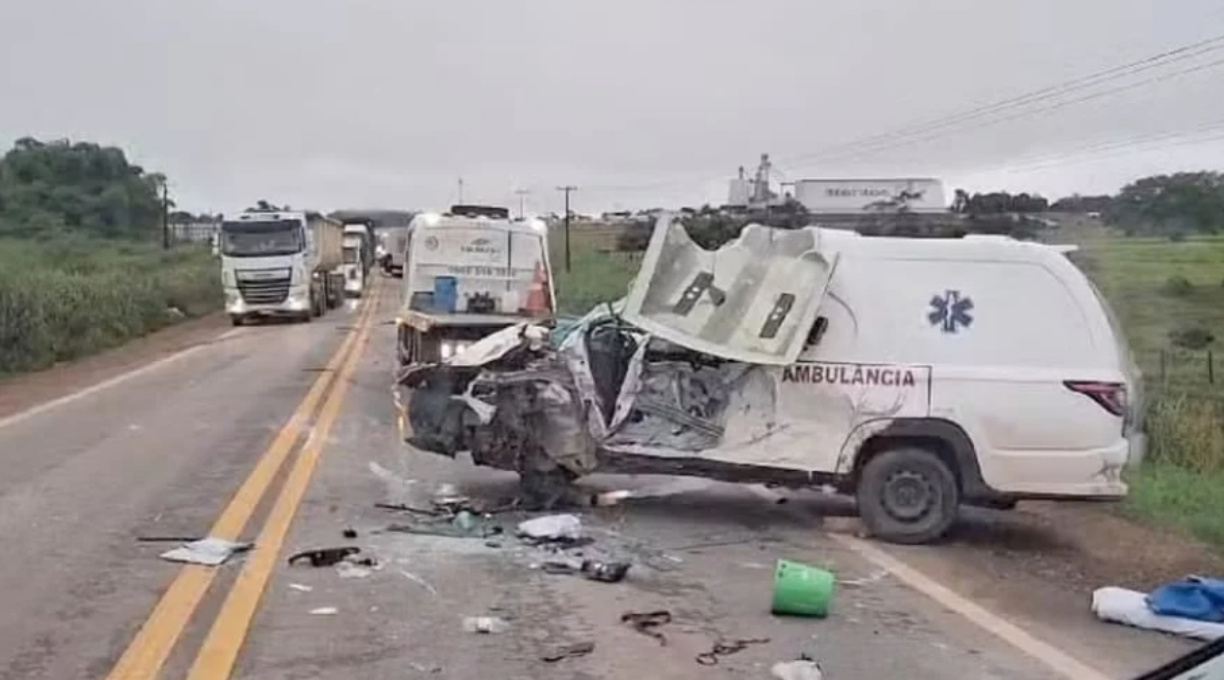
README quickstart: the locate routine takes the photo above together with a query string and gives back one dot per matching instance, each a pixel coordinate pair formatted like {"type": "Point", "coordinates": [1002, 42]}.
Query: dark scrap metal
{"type": "Point", "coordinates": [324, 557]}
{"type": "Point", "coordinates": [727, 648]}
{"type": "Point", "coordinates": [646, 623]}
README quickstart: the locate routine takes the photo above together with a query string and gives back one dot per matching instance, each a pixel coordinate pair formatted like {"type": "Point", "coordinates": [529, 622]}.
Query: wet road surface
{"type": "Point", "coordinates": [165, 452]}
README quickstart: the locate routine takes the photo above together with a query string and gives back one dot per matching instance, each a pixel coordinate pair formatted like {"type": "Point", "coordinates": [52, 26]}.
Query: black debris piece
{"type": "Point", "coordinates": [606, 572]}
{"type": "Point", "coordinates": [646, 623]}
{"type": "Point", "coordinates": [727, 648]}
{"type": "Point", "coordinates": [350, 533]}
{"type": "Point", "coordinates": [324, 557]}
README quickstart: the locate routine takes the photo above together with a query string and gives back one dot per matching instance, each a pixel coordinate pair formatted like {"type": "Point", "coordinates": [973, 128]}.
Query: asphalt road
{"type": "Point", "coordinates": [199, 444]}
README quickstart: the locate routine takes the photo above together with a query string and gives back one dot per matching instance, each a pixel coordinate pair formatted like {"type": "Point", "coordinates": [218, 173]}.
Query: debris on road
{"type": "Point", "coordinates": [403, 507]}
{"type": "Point", "coordinates": [568, 651]}
{"type": "Point", "coordinates": [301, 588]}
{"type": "Point", "coordinates": [170, 539]}
{"type": "Point", "coordinates": [349, 533]}
{"type": "Point", "coordinates": [803, 668]}
{"type": "Point", "coordinates": [646, 623]}
{"type": "Point", "coordinates": [727, 648]}
{"type": "Point", "coordinates": [1131, 608]}
{"type": "Point", "coordinates": [324, 557]}
{"type": "Point", "coordinates": [485, 624]}
{"type": "Point", "coordinates": [420, 581]}
{"type": "Point", "coordinates": [552, 529]}
{"type": "Point", "coordinates": [606, 572]}
{"type": "Point", "coordinates": [802, 590]}
{"type": "Point", "coordinates": [349, 570]}
{"type": "Point", "coordinates": [324, 610]}
{"type": "Point", "coordinates": [462, 525]}
{"type": "Point", "coordinates": [209, 552]}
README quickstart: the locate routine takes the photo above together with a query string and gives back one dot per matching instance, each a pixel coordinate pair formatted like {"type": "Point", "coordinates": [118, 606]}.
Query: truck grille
{"type": "Point", "coordinates": [265, 292]}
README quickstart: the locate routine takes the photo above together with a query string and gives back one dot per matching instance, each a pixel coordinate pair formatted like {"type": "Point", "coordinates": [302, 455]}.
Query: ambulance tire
{"type": "Point", "coordinates": [907, 495]}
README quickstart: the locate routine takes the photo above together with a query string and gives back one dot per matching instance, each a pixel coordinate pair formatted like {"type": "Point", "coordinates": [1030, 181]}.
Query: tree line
{"type": "Point", "coordinates": [56, 186]}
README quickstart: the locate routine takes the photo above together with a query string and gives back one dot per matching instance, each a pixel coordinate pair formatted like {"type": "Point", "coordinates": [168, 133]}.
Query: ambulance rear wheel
{"type": "Point", "coordinates": [907, 495]}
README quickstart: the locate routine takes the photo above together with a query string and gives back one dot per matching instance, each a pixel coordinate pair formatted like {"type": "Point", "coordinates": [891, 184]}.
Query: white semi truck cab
{"type": "Point", "coordinates": [281, 263]}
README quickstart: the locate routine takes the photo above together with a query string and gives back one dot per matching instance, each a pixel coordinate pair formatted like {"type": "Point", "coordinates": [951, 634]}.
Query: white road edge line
{"type": "Point", "coordinates": [1053, 657]}
{"type": "Point", "coordinates": [110, 382]}
{"type": "Point", "coordinates": [1056, 659]}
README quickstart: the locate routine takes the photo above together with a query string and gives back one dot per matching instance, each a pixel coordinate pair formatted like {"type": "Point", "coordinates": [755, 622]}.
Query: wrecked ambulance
{"type": "Point", "coordinates": [915, 374]}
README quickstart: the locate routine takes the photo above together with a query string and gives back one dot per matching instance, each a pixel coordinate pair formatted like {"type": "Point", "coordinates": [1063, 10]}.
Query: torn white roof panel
{"type": "Point", "coordinates": [752, 300]}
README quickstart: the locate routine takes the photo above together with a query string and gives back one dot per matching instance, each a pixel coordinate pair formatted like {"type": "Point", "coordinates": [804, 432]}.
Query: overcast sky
{"type": "Point", "coordinates": [386, 103]}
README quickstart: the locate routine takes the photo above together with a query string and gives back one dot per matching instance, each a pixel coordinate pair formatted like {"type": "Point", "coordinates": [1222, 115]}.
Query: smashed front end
{"type": "Point", "coordinates": [508, 400]}
{"type": "Point", "coordinates": [681, 377]}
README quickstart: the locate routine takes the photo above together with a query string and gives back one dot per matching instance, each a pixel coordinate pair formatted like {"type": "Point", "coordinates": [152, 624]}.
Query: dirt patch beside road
{"type": "Point", "coordinates": [22, 392]}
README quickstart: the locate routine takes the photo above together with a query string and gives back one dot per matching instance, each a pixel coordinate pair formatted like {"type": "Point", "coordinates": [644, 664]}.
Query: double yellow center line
{"type": "Point", "coordinates": [147, 654]}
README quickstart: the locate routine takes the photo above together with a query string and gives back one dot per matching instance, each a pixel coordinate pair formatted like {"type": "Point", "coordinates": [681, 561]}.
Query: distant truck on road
{"type": "Point", "coordinates": [358, 257]}
{"type": "Point", "coordinates": [468, 273]}
{"type": "Point", "coordinates": [281, 264]}
{"type": "Point", "coordinates": [394, 242]}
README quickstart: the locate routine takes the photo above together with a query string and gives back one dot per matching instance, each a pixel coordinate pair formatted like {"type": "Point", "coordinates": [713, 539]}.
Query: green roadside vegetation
{"type": "Point", "coordinates": [1168, 294]}
{"type": "Point", "coordinates": [81, 263]}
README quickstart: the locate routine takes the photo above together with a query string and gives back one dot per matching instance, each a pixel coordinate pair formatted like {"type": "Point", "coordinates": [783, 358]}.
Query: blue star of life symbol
{"type": "Point", "coordinates": [950, 311]}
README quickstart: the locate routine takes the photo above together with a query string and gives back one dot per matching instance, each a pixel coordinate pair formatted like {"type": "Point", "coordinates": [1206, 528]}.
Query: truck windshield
{"type": "Point", "coordinates": [259, 239]}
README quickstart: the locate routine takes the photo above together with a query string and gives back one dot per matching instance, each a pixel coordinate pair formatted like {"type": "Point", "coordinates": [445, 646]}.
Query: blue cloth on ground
{"type": "Point", "coordinates": [1194, 597]}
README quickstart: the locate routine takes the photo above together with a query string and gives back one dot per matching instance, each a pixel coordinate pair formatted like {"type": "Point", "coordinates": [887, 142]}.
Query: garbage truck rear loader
{"type": "Point", "coordinates": [468, 276]}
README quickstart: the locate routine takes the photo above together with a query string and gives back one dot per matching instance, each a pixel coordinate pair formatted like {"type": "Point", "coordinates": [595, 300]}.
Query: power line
{"type": "Point", "coordinates": [1160, 60]}
{"type": "Point", "coordinates": [1024, 114]}
{"type": "Point", "coordinates": [1072, 155]}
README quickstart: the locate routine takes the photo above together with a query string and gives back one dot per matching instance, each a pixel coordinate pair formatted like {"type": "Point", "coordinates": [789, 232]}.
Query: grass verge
{"type": "Point", "coordinates": [65, 298]}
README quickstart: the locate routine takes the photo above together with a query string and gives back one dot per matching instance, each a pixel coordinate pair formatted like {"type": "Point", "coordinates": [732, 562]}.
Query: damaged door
{"type": "Point", "coordinates": [752, 300]}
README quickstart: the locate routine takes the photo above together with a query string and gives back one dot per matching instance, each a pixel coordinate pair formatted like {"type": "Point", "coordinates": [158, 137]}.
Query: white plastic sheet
{"type": "Point", "coordinates": [1129, 607]}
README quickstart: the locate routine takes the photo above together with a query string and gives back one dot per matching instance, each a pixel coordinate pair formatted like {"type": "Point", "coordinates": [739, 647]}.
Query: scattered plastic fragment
{"type": "Point", "coordinates": [324, 610]}
{"type": "Point", "coordinates": [799, 669]}
{"type": "Point", "coordinates": [485, 624]}
{"type": "Point", "coordinates": [646, 623]}
{"type": "Point", "coordinates": [324, 557]}
{"type": "Point", "coordinates": [568, 651]}
{"type": "Point", "coordinates": [301, 588]}
{"type": "Point", "coordinates": [350, 533]}
{"type": "Point", "coordinates": [209, 551]}
{"type": "Point", "coordinates": [552, 528]}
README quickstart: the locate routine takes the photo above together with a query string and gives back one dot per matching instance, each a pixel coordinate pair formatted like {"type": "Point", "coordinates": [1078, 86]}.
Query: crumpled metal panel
{"type": "Point", "coordinates": [753, 300]}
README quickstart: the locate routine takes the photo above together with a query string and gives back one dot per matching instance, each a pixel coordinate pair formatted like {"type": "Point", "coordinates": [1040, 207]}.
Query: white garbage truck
{"type": "Point", "coordinates": [468, 273]}
{"type": "Point", "coordinates": [281, 264]}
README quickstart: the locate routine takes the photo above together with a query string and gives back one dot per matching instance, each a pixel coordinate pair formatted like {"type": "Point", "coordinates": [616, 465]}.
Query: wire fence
{"type": "Point", "coordinates": [1192, 372]}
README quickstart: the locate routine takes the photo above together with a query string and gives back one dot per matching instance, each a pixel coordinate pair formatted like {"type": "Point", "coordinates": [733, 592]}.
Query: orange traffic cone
{"type": "Point", "coordinates": [537, 299]}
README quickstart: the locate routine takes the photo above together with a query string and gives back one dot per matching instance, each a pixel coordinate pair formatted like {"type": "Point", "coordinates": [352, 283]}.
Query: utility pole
{"type": "Point", "coordinates": [522, 193]}
{"type": "Point", "coordinates": [567, 189]}
{"type": "Point", "coordinates": [460, 191]}
{"type": "Point", "coordinates": [165, 200]}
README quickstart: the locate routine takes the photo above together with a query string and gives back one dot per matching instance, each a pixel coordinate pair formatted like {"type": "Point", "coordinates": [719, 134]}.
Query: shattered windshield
{"type": "Point", "coordinates": [256, 239]}
{"type": "Point", "coordinates": [752, 300]}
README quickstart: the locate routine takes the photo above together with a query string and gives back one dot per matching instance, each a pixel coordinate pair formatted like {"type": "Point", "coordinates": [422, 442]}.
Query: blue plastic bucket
{"type": "Point", "coordinates": [446, 293]}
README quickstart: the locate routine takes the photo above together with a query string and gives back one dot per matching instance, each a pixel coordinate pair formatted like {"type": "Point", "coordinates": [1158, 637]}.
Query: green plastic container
{"type": "Point", "coordinates": [802, 590]}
